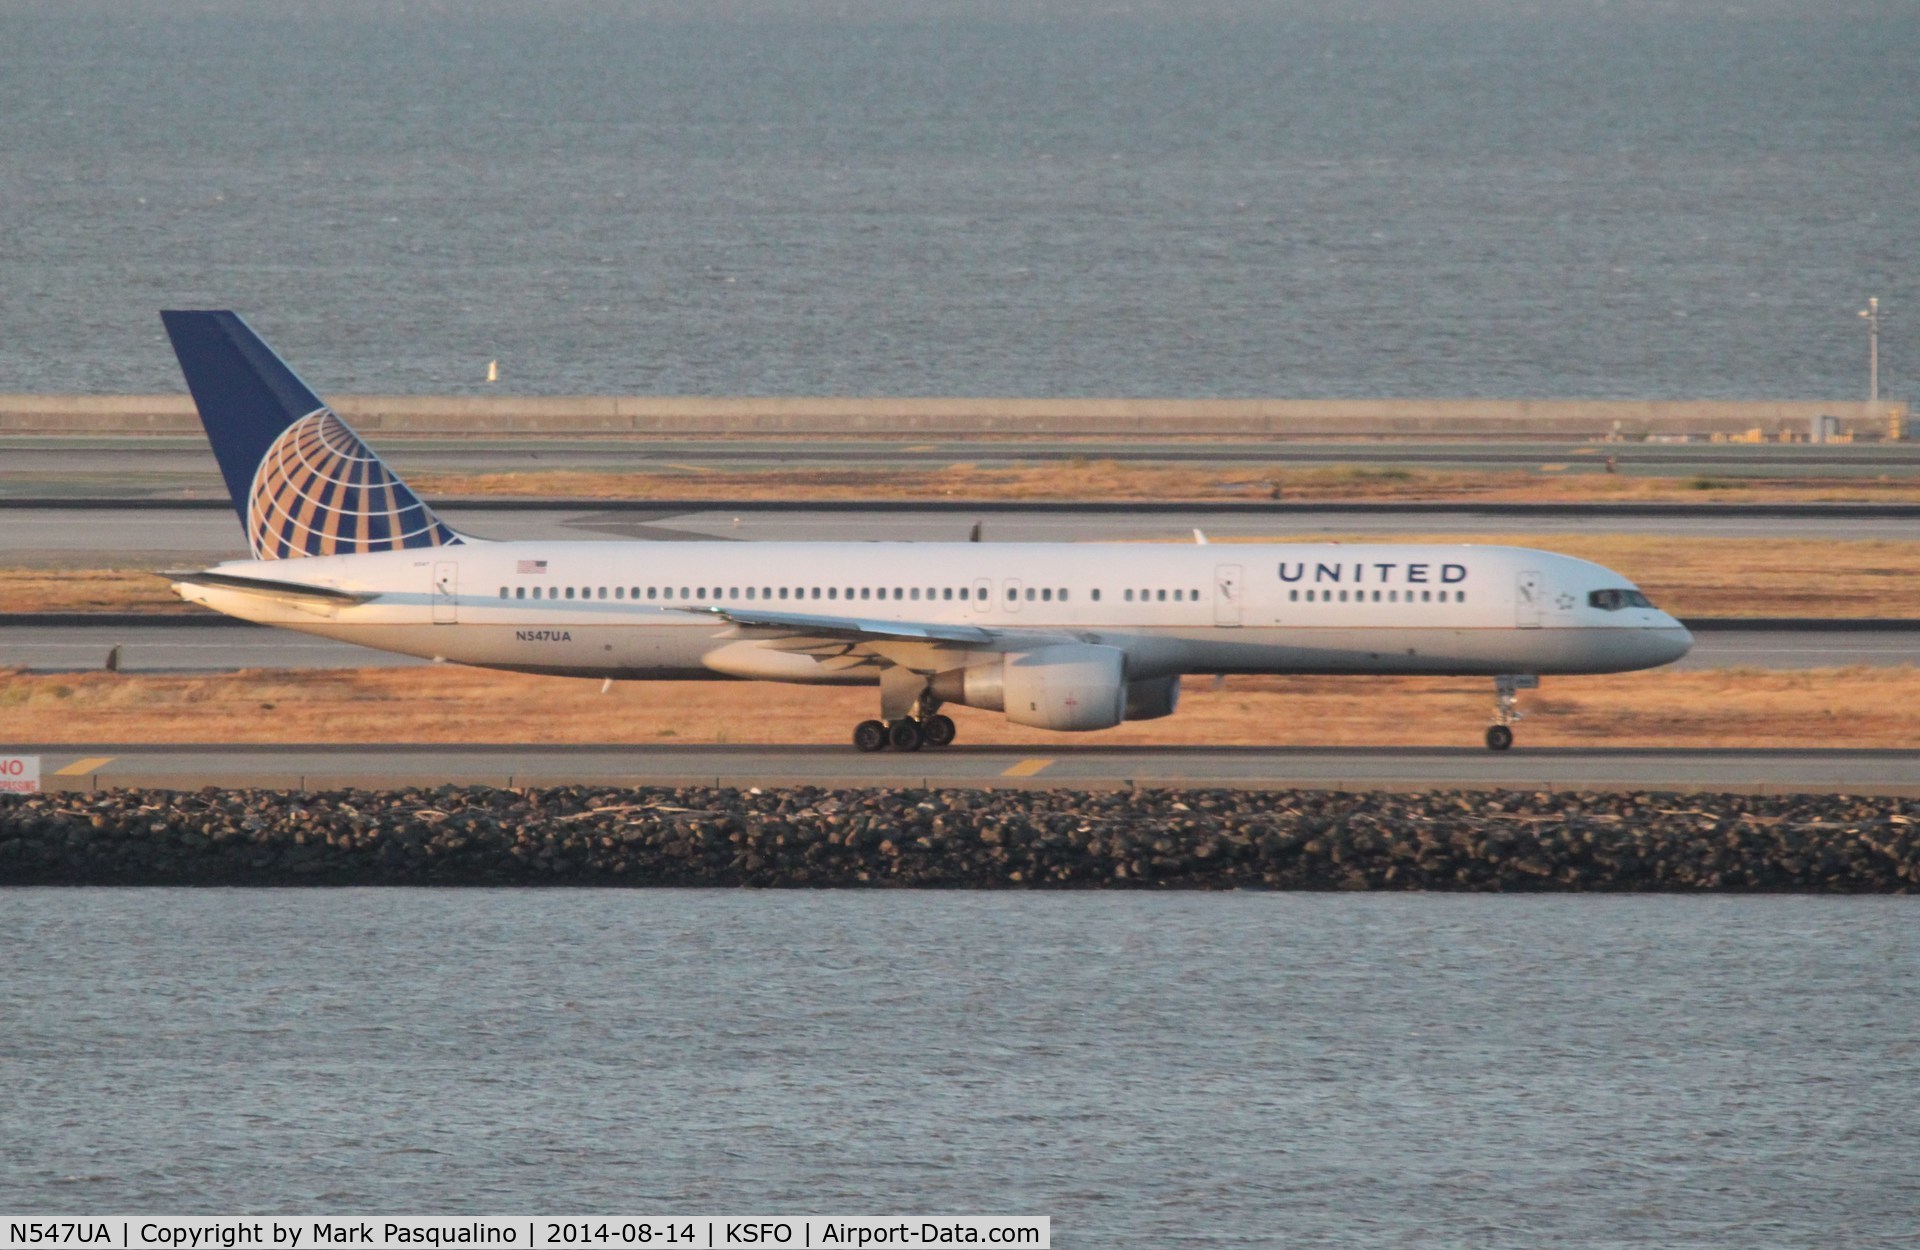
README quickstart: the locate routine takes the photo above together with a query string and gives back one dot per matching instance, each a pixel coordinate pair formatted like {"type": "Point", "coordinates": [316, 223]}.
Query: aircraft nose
{"type": "Point", "coordinates": [1666, 643]}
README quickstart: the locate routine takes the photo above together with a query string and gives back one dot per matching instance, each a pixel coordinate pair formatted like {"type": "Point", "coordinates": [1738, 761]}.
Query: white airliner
{"type": "Point", "coordinates": [1063, 636]}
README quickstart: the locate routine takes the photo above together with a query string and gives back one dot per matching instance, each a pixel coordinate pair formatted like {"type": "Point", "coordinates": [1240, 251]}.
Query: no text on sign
{"type": "Point", "coordinates": [19, 774]}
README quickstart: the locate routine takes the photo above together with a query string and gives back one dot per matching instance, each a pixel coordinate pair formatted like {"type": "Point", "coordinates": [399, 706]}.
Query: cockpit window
{"type": "Point", "coordinates": [1614, 600]}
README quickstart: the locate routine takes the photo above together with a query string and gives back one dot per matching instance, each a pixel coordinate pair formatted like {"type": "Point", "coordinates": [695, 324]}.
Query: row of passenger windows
{"type": "Point", "coordinates": [1360, 596]}
{"type": "Point", "coordinates": [1040, 594]}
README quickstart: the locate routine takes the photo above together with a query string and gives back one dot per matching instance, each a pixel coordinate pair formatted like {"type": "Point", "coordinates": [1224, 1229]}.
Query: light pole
{"type": "Point", "coordinates": [1872, 313]}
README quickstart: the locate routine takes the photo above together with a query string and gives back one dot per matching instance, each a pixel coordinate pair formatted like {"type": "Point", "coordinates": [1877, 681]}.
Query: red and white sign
{"type": "Point", "coordinates": [19, 774]}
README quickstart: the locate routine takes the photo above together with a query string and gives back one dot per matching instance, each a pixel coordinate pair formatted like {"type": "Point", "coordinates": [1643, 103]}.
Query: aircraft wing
{"type": "Point", "coordinates": [858, 629]}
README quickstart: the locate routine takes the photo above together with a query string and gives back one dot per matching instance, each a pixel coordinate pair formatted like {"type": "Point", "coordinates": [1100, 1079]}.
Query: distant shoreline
{"type": "Point", "coordinates": [508, 416]}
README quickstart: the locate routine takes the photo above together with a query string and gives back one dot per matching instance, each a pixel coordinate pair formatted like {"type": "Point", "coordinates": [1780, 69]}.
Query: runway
{"type": "Point", "coordinates": [220, 647]}
{"type": "Point", "coordinates": [313, 767]}
{"type": "Point", "coordinates": [161, 537]}
{"type": "Point", "coordinates": [136, 466]}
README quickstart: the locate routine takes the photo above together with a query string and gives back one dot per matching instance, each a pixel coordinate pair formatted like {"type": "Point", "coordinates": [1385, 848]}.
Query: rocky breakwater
{"type": "Point", "coordinates": [1142, 839]}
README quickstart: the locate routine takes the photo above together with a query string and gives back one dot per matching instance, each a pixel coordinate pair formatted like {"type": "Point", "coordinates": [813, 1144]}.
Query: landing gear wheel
{"type": "Point", "coordinates": [939, 731]}
{"type": "Point", "coordinates": [1499, 737]}
{"type": "Point", "coordinates": [870, 735]}
{"type": "Point", "coordinates": [905, 735]}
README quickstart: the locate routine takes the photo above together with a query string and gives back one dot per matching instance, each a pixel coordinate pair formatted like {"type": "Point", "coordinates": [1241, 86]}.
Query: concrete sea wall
{"type": "Point", "coordinates": [1141, 839]}
{"type": "Point", "coordinates": [868, 417]}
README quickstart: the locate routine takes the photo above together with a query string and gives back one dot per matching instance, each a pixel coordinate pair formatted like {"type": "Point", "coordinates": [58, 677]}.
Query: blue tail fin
{"type": "Point", "coordinates": [302, 481]}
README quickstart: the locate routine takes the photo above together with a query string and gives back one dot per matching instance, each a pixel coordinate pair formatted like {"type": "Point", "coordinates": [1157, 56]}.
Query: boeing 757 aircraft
{"type": "Point", "coordinates": [1063, 636]}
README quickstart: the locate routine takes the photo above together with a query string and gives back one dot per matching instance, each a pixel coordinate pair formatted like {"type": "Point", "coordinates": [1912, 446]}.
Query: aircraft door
{"type": "Point", "coordinates": [1526, 599]}
{"type": "Point", "coordinates": [1012, 598]}
{"type": "Point", "coordinates": [1226, 594]}
{"type": "Point", "coordinates": [983, 595]}
{"type": "Point", "coordinates": [446, 593]}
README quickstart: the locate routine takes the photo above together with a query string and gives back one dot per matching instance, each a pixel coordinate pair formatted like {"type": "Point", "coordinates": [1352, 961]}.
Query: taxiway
{"type": "Point", "coordinates": [314, 767]}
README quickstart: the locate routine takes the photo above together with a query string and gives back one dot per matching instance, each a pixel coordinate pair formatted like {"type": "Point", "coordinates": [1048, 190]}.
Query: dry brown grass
{"type": "Point", "coordinates": [1857, 707]}
{"type": "Point", "coordinates": [1688, 576]}
{"type": "Point", "coordinates": [1092, 480]}
{"type": "Point", "coordinates": [85, 590]}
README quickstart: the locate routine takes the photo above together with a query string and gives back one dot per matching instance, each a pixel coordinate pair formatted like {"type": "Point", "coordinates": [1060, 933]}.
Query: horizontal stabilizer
{"type": "Point", "coordinates": [270, 588]}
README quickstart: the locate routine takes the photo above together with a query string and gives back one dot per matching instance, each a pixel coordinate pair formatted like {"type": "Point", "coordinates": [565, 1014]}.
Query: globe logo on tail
{"type": "Point", "coordinates": [320, 491]}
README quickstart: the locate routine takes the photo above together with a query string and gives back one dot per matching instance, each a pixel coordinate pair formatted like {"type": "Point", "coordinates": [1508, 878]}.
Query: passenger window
{"type": "Point", "coordinates": [1127, 595]}
{"type": "Point", "coordinates": [865, 591]}
{"type": "Point", "coordinates": [503, 592]}
{"type": "Point", "coordinates": [1459, 596]}
{"type": "Point", "coordinates": [947, 593]}
{"type": "Point", "coordinates": [1293, 596]}
{"type": "Point", "coordinates": [1046, 595]}
{"type": "Point", "coordinates": [1096, 594]}
{"type": "Point", "coordinates": [1163, 596]}
{"type": "Point", "coordinates": [1063, 594]}
{"type": "Point", "coordinates": [916, 592]}
{"type": "Point", "coordinates": [1029, 594]}
{"type": "Point", "coordinates": [1177, 595]}
{"type": "Point", "coordinates": [1426, 596]}
{"type": "Point", "coordinates": [569, 592]}
{"type": "Point", "coordinates": [899, 593]}
{"type": "Point", "coordinates": [833, 592]}
{"type": "Point", "coordinates": [520, 592]}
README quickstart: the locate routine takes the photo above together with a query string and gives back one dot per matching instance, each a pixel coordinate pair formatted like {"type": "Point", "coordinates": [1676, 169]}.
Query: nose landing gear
{"type": "Point", "coordinates": [1506, 709]}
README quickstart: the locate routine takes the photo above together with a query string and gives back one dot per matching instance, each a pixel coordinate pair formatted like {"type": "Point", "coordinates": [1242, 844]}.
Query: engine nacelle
{"type": "Point", "coordinates": [1152, 698]}
{"type": "Point", "coordinates": [1072, 687]}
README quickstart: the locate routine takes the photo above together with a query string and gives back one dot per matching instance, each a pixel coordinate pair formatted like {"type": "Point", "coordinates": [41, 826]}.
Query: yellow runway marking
{"type": "Point", "coordinates": [690, 468]}
{"type": "Point", "coordinates": [1026, 768]}
{"type": "Point", "coordinates": [80, 768]}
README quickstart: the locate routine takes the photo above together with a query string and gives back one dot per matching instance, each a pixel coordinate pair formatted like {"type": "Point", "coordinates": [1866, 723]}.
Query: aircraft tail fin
{"type": "Point", "coordinates": [302, 481]}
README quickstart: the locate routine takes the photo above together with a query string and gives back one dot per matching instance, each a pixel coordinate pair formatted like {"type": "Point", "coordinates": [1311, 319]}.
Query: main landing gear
{"type": "Point", "coordinates": [908, 733]}
{"type": "Point", "coordinates": [1506, 708]}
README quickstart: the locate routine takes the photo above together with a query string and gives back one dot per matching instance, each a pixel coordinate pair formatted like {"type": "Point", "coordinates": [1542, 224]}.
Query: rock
{"type": "Point", "coordinates": [1144, 839]}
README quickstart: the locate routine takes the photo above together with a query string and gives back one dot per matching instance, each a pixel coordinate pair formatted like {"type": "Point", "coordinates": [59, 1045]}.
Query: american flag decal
{"type": "Point", "coordinates": [530, 566]}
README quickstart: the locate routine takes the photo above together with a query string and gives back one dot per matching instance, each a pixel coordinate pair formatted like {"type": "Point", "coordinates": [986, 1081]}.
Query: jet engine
{"type": "Point", "coordinates": [1072, 686]}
